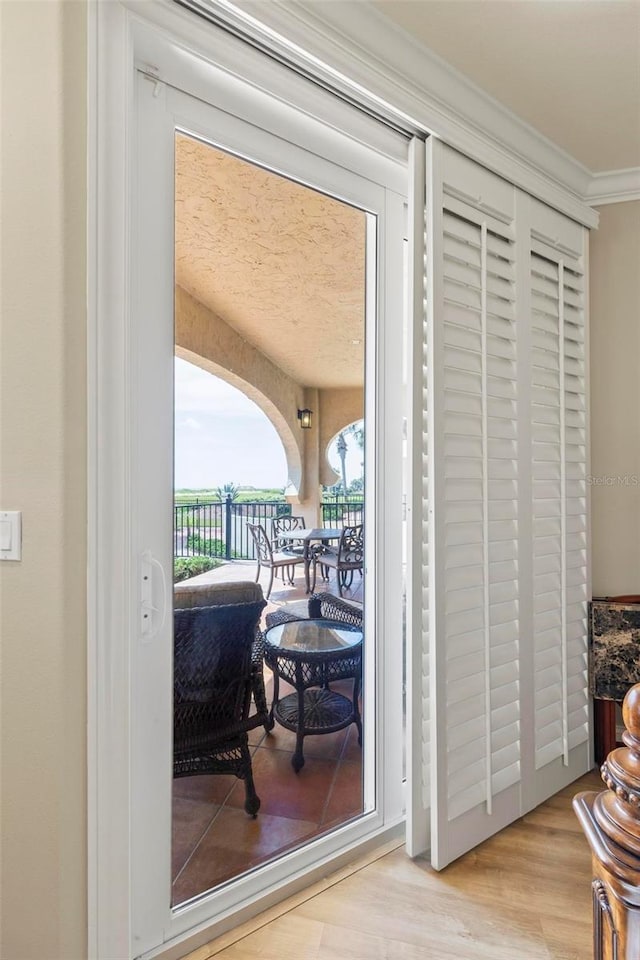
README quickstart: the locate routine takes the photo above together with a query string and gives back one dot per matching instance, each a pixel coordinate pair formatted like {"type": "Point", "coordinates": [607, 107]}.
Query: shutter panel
{"type": "Point", "coordinates": [559, 492]}
{"type": "Point", "coordinates": [473, 448]}
{"type": "Point", "coordinates": [480, 450]}
{"type": "Point", "coordinates": [506, 435]}
{"type": "Point", "coordinates": [547, 508]}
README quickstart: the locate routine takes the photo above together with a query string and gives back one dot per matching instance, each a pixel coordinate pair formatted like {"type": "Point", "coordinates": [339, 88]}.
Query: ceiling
{"type": "Point", "coordinates": [570, 68]}
{"type": "Point", "coordinates": [285, 266]}
{"type": "Point", "coordinates": [282, 264]}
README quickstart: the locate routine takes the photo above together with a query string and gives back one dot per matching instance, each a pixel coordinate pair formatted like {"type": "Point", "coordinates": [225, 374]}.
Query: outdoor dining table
{"type": "Point", "coordinates": [321, 534]}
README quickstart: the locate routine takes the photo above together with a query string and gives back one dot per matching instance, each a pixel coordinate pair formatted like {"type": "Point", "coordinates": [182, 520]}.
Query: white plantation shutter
{"type": "Point", "coordinates": [559, 494]}
{"type": "Point", "coordinates": [473, 446]}
{"type": "Point", "coordinates": [480, 451]}
{"type": "Point", "coordinates": [504, 440]}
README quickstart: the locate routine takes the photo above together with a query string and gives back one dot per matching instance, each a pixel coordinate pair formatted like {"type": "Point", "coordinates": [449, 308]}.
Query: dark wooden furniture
{"type": "Point", "coordinates": [213, 683]}
{"type": "Point", "coordinates": [614, 663]}
{"type": "Point", "coordinates": [310, 654]}
{"type": "Point", "coordinates": [611, 822]}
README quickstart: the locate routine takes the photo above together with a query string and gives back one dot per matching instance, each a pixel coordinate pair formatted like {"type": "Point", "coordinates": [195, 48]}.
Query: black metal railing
{"type": "Point", "coordinates": [342, 511]}
{"type": "Point", "coordinates": [218, 528]}
{"type": "Point", "coordinates": [198, 529]}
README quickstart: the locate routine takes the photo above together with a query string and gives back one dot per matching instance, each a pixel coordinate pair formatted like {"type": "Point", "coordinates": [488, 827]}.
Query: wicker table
{"type": "Point", "coordinates": [310, 654]}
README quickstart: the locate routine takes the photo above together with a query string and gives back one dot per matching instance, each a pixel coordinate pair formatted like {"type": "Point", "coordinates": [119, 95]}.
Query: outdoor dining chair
{"type": "Point", "coordinates": [284, 524]}
{"type": "Point", "coordinates": [272, 560]}
{"type": "Point", "coordinates": [345, 559]}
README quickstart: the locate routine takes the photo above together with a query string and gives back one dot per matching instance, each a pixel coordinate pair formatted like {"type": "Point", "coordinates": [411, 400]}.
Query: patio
{"type": "Point", "coordinates": [276, 309]}
{"type": "Point", "coordinates": [213, 838]}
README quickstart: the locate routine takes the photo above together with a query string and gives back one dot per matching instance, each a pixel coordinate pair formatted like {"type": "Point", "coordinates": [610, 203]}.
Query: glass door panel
{"type": "Point", "coordinates": [266, 348]}
{"type": "Point", "coordinates": [270, 487]}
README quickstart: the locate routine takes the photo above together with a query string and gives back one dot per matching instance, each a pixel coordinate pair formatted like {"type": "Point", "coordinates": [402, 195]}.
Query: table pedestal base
{"type": "Point", "coordinates": [323, 711]}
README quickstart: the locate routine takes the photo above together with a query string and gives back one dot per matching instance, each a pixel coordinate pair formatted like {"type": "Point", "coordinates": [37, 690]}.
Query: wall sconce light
{"type": "Point", "coordinates": [304, 416]}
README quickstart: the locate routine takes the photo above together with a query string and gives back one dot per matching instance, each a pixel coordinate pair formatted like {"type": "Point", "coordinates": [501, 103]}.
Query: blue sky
{"type": "Point", "coordinates": [223, 437]}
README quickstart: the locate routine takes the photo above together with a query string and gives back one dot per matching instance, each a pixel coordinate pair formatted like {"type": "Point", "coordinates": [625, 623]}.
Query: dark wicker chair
{"type": "Point", "coordinates": [345, 559]}
{"type": "Point", "coordinates": [322, 606]}
{"type": "Point", "coordinates": [188, 595]}
{"type": "Point", "coordinates": [212, 692]}
{"type": "Point", "coordinates": [267, 557]}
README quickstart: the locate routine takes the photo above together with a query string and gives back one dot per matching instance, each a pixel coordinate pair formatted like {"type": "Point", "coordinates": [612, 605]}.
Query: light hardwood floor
{"type": "Point", "coordinates": [524, 894]}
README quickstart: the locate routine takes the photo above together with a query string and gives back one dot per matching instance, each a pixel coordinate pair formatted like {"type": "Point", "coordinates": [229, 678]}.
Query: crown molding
{"type": "Point", "coordinates": [614, 186]}
{"type": "Point", "coordinates": [358, 52]}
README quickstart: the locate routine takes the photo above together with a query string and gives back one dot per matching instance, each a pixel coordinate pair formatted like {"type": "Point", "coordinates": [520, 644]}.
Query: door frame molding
{"type": "Point", "coordinates": [121, 41]}
{"type": "Point", "coordinates": [352, 47]}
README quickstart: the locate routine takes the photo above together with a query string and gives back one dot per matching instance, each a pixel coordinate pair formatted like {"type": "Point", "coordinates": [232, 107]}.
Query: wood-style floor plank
{"type": "Point", "coordinates": [525, 894]}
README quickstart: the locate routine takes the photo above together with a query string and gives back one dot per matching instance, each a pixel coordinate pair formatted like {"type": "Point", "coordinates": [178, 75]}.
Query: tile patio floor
{"type": "Point", "coordinates": [213, 838]}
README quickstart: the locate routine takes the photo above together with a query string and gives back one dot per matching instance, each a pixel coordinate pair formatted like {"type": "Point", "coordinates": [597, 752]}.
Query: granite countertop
{"type": "Point", "coordinates": [614, 648]}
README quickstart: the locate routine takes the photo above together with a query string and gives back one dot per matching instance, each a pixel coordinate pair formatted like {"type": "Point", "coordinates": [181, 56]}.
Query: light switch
{"type": "Point", "coordinates": [5, 535]}
{"type": "Point", "coordinates": [10, 535]}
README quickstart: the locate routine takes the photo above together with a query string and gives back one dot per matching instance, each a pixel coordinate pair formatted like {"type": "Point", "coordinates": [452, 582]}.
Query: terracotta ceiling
{"type": "Point", "coordinates": [279, 262]}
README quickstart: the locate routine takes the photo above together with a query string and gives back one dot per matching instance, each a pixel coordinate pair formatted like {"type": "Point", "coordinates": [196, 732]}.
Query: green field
{"type": "Point", "coordinates": [245, 495]}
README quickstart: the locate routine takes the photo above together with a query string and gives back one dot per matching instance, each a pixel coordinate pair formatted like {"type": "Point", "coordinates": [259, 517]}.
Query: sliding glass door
{"type": "Point", "coordinates": [272, 273]}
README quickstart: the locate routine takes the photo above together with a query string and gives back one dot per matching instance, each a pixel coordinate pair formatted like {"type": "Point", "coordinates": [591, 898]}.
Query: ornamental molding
{"type": "Point", "coordinates": [614, 186]}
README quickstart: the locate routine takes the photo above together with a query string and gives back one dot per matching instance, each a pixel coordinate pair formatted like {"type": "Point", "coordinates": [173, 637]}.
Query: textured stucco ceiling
{"type": "Point", "coordinates": [570, 68]}
{"type": "Point", "coordinates": [282, 264]}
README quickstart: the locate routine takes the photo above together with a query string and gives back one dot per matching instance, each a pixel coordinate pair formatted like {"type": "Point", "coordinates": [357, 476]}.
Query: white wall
{"type": "Point", "coordinates": [615, 400]}
{"type": "Point", "coordinates": [42, 473]}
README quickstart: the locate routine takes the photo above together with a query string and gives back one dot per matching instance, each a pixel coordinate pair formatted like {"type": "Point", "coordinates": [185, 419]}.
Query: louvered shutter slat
{"type": "Point", "coordinates": [480, 507]}
{"type": "Point", "coordinates": [558, 436]}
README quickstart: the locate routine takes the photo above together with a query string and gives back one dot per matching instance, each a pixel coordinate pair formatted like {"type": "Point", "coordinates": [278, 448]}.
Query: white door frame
{"type": "Point", "coordinates": [127, 41]}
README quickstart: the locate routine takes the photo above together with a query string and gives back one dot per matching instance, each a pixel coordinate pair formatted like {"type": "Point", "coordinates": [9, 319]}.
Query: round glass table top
{"type": "Point", "coordinates": [313, 636]}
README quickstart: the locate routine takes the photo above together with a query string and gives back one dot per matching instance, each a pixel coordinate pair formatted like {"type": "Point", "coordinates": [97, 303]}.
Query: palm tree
{"type": "Point", "coordinates": [356, 430]}
{"type": "Point", "coordinates": [341, 447]}
{"type": "Point", "coordinates": [228, 490]}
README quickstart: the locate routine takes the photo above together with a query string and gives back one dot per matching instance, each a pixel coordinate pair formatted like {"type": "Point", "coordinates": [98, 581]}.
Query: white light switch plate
{"type": "Point", "coordinates": [10, 535]}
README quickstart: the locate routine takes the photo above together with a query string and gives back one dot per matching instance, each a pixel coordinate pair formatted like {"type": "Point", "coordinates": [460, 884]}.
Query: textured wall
{"type": "Point", "coordinates": [206, 340]}
{"type": "Point", "coordinates": [42, 377]}
{"type": "Point", "coordinates": [615, 399]}
{"type": "Point", "coordinates": [282, 264]}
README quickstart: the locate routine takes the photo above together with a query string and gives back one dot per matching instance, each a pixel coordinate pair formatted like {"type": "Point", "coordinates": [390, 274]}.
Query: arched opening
{"type": "Point", "coordinates": [211, 390]}
{"type": "Point", "coordinates": [345, 455]}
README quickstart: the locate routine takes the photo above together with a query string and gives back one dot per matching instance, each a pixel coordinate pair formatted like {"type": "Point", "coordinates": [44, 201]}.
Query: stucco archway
{"type": "Point", "coordinates": [283, 429]}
